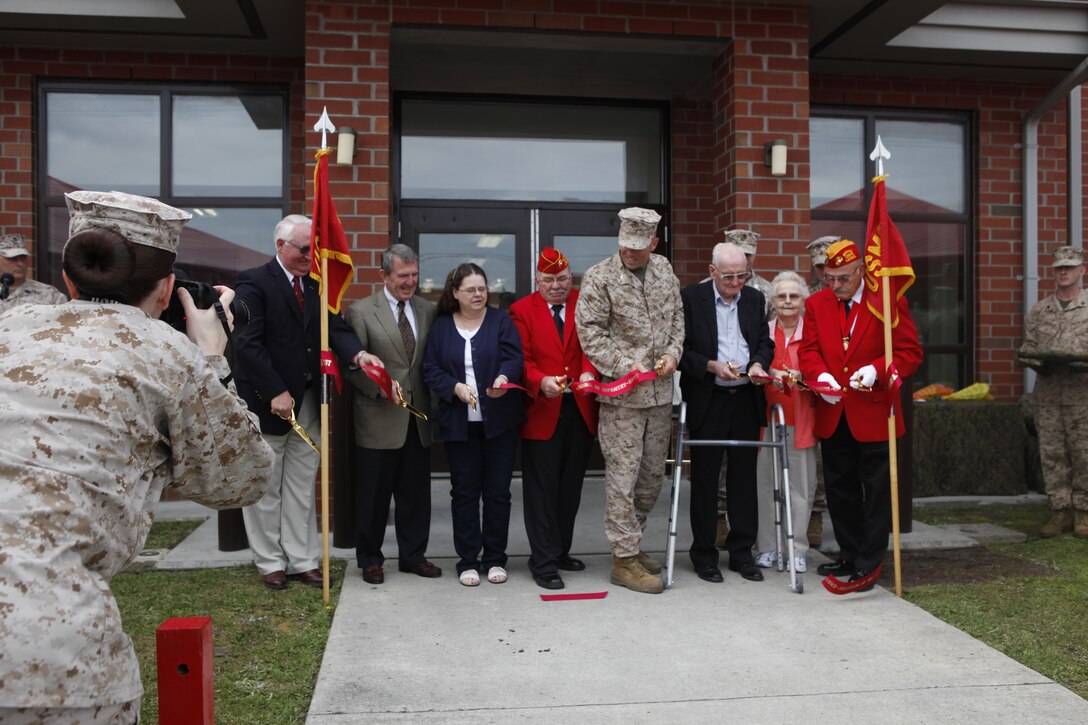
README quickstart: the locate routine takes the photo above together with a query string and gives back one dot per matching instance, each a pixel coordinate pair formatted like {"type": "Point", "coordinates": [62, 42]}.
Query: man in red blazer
{"type": "Point", "coordinates": [559, 430]}
{"type": "Point", "coordinates": [843, 347]}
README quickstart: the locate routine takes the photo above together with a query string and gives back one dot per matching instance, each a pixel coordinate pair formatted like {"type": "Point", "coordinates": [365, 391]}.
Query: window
{"type": "Point", "coordinates": [929, 199]}
{"type": "Point", "coordinates": [218, 152]}
{"type": "Point", "coordinates": [542, 152]}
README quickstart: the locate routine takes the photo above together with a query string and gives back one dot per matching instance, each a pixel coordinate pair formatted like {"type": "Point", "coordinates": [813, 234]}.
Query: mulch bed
{"type": "Point", "coordinates": [973, 565]}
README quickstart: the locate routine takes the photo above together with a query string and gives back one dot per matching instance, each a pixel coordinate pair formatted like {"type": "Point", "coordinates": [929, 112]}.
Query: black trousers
{"type": "Point", "coordinates": [552, 473]}
{"type": "Point", "coordinates": [728, 417]}
{"type": "Point", "coordinates": [480, 470]}
{"type": "Point", "coordinates": [403, 474]}
{"type": "Point", "coordinates": [858, 484]}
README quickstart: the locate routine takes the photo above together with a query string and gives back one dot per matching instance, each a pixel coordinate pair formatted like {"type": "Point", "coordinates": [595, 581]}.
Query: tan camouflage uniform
{"type": "Point", "coordinates": [102, 407]}
{"type": "Point", "coordinates": [623, 322]}
{"type": "Point", "coordinates": [1060, 400]}
{"type": "Point", "coordinates": [765, 287]}
{"type": "Point", "coordinates": [33, 292]}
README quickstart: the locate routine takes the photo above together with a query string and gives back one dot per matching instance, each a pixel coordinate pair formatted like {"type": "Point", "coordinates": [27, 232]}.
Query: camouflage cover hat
{"type": "Point", "coordinates": [818, 248]}
{"type": "Point", "coordinates": [12, 245]}
{"type": "Point", "coordinates": [1068, 257]}
{"type": "Point", "coordinates": [842, 253]}
{"type": "Point", "coordinates": [138, 219]}
{"type": "Point", "coordinates": [638, 227]}
{"type": "Point", "coordinates": [744, 238]}
{"type": "Point", "coordinates": [551, 261]}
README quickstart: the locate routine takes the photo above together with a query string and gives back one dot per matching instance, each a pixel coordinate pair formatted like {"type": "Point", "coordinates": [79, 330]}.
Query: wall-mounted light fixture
{"type": "Point", "coordinates": [775, 156]}
{"type": "Point", "coordinates": [345, 145]}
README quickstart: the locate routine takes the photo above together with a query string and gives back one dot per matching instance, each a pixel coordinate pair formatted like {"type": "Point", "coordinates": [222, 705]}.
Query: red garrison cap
{"type": "Point", "coordinates": [551, 261]}
{"type": "Point", "coordinates": [841, 253]}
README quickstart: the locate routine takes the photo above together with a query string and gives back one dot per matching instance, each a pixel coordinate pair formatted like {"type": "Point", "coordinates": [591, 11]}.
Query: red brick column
{"type": "Point", "coordinates": [761, 94]}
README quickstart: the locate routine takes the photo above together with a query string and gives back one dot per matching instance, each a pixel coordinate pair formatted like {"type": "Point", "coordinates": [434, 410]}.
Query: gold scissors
{"type": "Point", "coordinates": [405, 404]}
{"type": "Point", "coordinates": [563, 382]}
{"type": "Point", "coordinates": [299, 429]}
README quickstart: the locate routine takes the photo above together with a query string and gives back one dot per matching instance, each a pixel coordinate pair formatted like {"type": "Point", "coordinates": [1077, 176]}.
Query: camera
{"type": "Point", "coordinates": [204, 296]}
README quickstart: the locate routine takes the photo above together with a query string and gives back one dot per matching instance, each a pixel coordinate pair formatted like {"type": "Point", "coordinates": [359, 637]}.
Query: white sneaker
{"type": "Point", "coordinates": [766, 559]}
{"type": "Point", "coordinates": [799, 564]}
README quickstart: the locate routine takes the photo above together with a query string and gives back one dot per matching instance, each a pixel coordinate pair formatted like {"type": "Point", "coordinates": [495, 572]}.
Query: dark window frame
{"type": "Point", "coordinates": [166, 92]}
{"type": "Point", "coordinates": [967, 349]}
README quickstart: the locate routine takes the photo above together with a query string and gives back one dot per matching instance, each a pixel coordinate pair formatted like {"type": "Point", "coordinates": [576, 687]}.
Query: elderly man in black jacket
{"type": "Point", "coordinates": [726, 337]}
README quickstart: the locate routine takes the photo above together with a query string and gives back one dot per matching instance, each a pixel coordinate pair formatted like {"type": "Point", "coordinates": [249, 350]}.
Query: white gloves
{"type": "Point", "coordinates": [829, 380]}
{"type": "Point", "coordinates": [865, 377]}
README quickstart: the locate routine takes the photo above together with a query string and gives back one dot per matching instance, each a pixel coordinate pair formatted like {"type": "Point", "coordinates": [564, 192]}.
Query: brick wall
{"type": "Point", "coordinates": [719, 180]}
{"type": "Point", "coordinates": [20, 67]}
{"type": "Point", "coordinates": [999, 109]}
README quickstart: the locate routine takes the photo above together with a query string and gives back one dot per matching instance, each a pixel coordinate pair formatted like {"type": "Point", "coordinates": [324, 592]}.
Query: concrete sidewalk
{"type": "Point", "coordinates": [419, 650]}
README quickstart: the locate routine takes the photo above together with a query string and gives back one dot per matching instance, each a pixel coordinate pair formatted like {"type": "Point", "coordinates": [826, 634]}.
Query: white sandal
{"type": "Point", "coordinates": [496, 575]}
{"type": "Point", "coordinates": [470, 578]}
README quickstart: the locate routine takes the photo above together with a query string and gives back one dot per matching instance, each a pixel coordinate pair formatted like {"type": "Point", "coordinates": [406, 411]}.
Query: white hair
{"type": "Point", "coordinates": [788, 276]}
{"type": "Point", "coordinates": [288, 224]}
{"type": "Point", "coordinates": [724, 249]}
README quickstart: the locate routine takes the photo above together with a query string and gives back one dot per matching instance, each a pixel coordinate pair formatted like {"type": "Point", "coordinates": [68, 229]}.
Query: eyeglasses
{"type": "Point", "coordinates": [472, 290]}
{"type": "Point", "coordinates": [733, 278]}
{"type": "Point", "coordinates": [303, 249]}
{"type": "Point", "coordinates": [833, 279]}
{"type": "Point", "coordinates": [559, 279]}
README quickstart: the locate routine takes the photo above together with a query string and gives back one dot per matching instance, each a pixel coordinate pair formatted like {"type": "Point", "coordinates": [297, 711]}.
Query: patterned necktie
{"type": "Point", "coordinates": [406, 331]}
{"type": "Point", "coordinates": [556, 309]}
{"type": "Point", "coordinates": [298, 293]}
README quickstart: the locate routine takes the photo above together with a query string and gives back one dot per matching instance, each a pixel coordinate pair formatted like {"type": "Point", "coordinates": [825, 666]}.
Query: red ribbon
{"type": "Point", "coordinates": [616, 387]}
{"type": "Point", "coordinates": [572, 597]}
{"type": "Point", "coordinates": [511, 386]}
{"type": "Point", "coordinates": [381, 379]}
{"type": "Point", "coordinates": [329, 367]}
{"type": "Point", "coordinates": [837, 586]}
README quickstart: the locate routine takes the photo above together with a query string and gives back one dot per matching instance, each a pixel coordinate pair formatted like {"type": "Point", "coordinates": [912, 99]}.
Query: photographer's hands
{"type": "Point", "coordinates": [204, 326]}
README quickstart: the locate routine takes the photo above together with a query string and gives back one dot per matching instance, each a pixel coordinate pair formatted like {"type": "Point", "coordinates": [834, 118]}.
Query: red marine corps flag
{"type": "Point", "coordinates": [333, 270]}
{"type": "Point", "coordinates": [886, 259]}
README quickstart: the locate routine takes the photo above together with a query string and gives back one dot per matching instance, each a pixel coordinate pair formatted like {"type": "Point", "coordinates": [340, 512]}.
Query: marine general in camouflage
{"type": "Point", "coordinates": [630, 317]}
{"type": "Point", "coordinates": [104, 406]}
{"type": "Point", "coordinates": [14, 260]}
{"type": "Point", "coordinates": [1056, 346]}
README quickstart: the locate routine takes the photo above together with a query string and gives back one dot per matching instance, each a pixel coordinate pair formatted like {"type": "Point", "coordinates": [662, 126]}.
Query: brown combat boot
{"type": "Point", "coordinates": [1080, 524]}
{"type": "Point", "coordinates": [815, 532]}
{"type": "Point", "coordinates": [722, 531]}
{"type": "Point", "coordinates": [627, 572]}
{"type": "Point", "coordinates": [649, 563]}
{"type": "Point", "coordinates": [1061, 522]}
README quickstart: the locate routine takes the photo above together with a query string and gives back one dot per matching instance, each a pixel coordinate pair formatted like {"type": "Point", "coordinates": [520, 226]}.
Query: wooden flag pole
{"type": "Point", "coordinates": [324, 432]}
{"type": "Point", "coordinates": [893, 462]}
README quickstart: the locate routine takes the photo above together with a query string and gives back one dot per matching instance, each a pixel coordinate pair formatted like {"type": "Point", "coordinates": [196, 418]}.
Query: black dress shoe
{"type": "Point", "coordinates": [748, 570]}
{"type": "Point", "coordinates": [569, 563]}
{"type": "Point", "coordinates": [861, 574]}
{"type": "Point", "coordinates": [549, 581]}
{"type": "Point", "coordinates": [424, 569]}
{"type": "Point", "coordinates": [839, 567]}
{"type": "Point", "coordinates": [710, 574]}
{"type": "Point", "coordinates": [374, 574]}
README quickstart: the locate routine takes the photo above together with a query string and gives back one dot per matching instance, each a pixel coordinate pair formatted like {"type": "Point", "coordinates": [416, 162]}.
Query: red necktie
{"type": "Point", "coordinates": [298, 294]}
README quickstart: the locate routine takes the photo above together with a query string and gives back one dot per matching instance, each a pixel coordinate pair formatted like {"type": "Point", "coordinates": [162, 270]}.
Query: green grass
{"type": "Point", "coordinates": [267, 645]}
{"type": "Point", "coordinates": [168, 534]}
{"type": "Point", "coordinates": [1038, 621]}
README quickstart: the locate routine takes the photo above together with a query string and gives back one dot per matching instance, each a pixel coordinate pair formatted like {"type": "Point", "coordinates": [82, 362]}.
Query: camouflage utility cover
{"type": "Point", "coordinates": [102, 406]}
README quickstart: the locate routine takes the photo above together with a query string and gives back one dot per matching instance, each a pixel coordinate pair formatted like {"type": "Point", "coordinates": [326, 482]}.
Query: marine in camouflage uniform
{"type": "Point", "coordinates": [104, 406]}
{"type": "Point", "coordinates": [14, 258]}
{"type": "Point", "coordinates": [629, 319]}
{"type": "Point", "coordinates": [1057, 327]}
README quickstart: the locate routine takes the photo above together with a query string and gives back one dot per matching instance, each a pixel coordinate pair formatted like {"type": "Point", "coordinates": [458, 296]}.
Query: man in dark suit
{"type": "Point", "coordinates": [843, 347]}
{"type": "Point", "coordinates": [726, 335]}
{"type": "Point", "coordinates": [557, 436]}
{"type": "Point", "coordinates": [277, 375]}
{"type": "Point", "coordinates": [392, 446]}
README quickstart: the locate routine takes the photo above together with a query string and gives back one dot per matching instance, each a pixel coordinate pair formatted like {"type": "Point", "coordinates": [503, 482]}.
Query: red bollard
{"type": "Point", "coordinates": [184, 652]}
